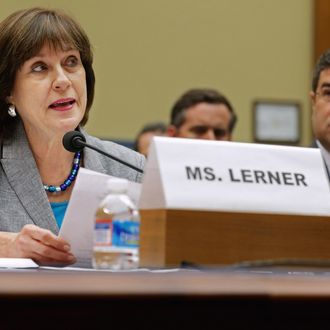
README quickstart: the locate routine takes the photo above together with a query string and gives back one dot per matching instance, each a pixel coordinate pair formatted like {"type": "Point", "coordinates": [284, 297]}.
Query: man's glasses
{"type": "Point", "coordinates": [219, 133]}
{"type": "Point", "coordinates": [324, 94]}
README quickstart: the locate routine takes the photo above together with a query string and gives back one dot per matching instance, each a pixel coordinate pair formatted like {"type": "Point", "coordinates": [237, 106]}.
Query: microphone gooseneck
{"type": "Point", "coordinates": [75, 141]}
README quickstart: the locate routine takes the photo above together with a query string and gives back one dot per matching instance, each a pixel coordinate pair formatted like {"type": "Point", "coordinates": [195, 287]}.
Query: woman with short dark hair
{"type": "Point", "coordinates": [46, 89]}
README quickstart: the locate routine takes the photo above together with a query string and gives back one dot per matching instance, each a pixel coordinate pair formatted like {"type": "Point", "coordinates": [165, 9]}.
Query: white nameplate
{"type": "Point", "coordinates": [193, 174]}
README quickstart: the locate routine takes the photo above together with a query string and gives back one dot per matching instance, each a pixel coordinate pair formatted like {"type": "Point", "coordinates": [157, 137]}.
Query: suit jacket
{"type": "Point", "coordinates": [324, 156]}
{"type": "Point", "coordinates": [23, 199]}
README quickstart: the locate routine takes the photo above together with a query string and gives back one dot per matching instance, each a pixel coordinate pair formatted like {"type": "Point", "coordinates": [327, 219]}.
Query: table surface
{"type": "Point", "coordinates": [183, 299]}
{"type": "Point", "coordinates": [270, 283]}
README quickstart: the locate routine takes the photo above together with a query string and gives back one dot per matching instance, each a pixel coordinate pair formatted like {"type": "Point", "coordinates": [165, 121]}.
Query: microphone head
{"type": "Point", "coordinates": [72, 141]}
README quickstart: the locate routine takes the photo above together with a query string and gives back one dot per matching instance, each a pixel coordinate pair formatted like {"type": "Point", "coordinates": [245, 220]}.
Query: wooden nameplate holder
{"type": "Point", "coordinates": [232, 202]}
{"type": "Point", "coordinates": [169, 237]}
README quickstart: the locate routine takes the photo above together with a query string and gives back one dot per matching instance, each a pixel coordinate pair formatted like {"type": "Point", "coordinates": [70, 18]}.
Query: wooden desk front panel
{"type": "Point", "coordinates": [179, 300]}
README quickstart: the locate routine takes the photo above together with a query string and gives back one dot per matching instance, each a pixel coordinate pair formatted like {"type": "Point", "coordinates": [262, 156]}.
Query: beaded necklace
{"type": "Point", "coordinates": [69, 179]}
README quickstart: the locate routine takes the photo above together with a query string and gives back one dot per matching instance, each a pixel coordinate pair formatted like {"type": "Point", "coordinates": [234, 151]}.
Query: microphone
{"type": "Point", "coordinates": [75, 141]}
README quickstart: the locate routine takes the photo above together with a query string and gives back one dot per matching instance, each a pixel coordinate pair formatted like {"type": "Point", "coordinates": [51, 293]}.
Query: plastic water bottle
{"type": "Point", "coordinates": [116, 231]}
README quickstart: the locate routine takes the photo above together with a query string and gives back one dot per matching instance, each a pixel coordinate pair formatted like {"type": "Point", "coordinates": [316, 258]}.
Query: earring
{"type": "Point", "coordinates": [11, 111]}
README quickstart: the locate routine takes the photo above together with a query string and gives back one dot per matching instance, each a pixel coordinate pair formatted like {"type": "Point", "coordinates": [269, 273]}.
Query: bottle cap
{"type": "Point", "coordinates": [117, 185]}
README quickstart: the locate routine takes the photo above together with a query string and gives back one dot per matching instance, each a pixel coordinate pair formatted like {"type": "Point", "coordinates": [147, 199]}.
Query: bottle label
{"type": "Point", "coordinates": [102, 233]}
{"type": "Point", "coordinates": [125, 233]}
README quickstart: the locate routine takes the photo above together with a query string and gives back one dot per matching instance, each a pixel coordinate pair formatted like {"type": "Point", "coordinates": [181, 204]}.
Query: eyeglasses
{"type": "Point", "coordinates": [200, 130]}
{"type": "Point", "coordinates": [324, 94]}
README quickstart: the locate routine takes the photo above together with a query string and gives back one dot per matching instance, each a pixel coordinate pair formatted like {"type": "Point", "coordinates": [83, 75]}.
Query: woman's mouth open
{"type": "Point", "coordinates": [63, 104]}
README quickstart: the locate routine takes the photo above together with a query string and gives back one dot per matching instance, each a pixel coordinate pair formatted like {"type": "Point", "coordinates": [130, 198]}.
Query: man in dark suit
{"type": "Point", "coordinates": [320, 97]}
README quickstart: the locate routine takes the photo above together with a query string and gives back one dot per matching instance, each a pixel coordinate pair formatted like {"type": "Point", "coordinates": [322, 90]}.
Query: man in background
{"type": "Point", "coordinates": [320, 97]}
{"type": "Point", "coordinates": [202, 114]}
{"type": "Point", "coordinates": [144, 137]}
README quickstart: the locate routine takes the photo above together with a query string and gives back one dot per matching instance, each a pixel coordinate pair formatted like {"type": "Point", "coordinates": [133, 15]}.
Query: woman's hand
{"type": "Point", "coordinates": [41, 245]}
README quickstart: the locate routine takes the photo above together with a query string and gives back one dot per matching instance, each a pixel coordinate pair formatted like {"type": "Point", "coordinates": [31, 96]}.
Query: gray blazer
{"type": "Point", "coordinates": [23, 199]}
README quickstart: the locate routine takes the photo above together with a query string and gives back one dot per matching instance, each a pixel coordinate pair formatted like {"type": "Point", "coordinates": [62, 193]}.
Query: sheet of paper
{"type": "Point", "coordinates": [137, 270]}
{"type": "Point", "coordinates": [17, 263]}
{"type": "Point", "coordinates": [78, 223]}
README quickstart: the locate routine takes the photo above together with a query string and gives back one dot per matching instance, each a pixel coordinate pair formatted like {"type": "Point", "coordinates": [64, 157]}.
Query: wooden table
{"type": "Point", "coordinates": [57, 299]}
